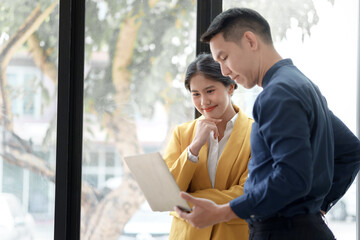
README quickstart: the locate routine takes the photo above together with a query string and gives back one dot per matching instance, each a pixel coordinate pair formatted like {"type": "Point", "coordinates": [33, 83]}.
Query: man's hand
{"type": "Point", "coordinates": [205, 212]}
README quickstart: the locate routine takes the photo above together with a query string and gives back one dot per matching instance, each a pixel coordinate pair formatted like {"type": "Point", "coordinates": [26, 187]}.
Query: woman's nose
{"type": "Point", "coordinates": [205, 100]}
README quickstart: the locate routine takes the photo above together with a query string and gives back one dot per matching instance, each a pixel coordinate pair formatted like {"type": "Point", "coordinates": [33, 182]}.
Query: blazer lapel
{"type": "Point", "coordinates": [231, 151]}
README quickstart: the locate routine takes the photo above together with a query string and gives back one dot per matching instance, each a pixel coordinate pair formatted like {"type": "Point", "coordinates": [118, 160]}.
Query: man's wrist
{"type": "Point", "coordinates": [227, 213]}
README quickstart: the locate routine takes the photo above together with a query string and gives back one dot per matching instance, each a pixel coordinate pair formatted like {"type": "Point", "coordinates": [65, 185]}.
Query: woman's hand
{"type": "Point", "coordinates": [203, 129]}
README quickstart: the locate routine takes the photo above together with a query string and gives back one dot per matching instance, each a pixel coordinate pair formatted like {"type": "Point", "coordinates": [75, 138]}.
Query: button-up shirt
{"type": "Point", "coordinates": [216, 148]}
{"type": "Point", "coordinates": [295, 142]}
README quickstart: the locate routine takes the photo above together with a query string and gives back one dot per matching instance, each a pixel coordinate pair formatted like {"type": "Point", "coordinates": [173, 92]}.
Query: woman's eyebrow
{"type": "Point", "coordinates": [211, 86]}
{"type": "Point", "coordinates": [206, 88]}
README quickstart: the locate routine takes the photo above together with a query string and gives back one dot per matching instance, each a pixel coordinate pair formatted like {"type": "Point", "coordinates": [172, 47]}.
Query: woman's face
{"type": "Point", "coordinates": [211, 98]}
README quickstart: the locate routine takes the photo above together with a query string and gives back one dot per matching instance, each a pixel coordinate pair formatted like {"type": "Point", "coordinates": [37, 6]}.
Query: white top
{"type": "Point", "coordinates": [215, 149]}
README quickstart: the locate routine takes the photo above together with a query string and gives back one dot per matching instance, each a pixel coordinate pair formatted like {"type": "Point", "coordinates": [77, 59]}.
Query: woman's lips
{"type": "Point", "coordinates": [209, 109]}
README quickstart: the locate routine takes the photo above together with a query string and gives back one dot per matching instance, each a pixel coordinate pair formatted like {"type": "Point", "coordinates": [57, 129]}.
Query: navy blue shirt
{"type": "Point", "coordinates": [303, 157]}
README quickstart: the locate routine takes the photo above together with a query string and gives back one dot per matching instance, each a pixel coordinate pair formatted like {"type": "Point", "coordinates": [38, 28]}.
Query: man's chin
{"type": "Point", "coordinates": [246, 85]}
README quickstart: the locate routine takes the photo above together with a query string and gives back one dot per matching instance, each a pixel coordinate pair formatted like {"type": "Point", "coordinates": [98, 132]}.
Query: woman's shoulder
{"type": "Point", "coordinates": [242, 117]}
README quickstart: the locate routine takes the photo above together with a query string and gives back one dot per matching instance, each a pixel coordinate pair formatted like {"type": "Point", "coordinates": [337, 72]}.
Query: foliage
{"type": "Point", "coordinates": [281, 14]}
{"type": "Point", "coordinates": [164, 45]}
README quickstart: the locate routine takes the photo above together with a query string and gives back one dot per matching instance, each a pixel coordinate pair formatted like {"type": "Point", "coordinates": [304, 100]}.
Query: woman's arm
{"type": "Point", "coordinates": [176, 158]}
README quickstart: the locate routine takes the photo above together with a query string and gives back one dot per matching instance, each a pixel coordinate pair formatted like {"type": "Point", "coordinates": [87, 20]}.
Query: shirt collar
{"type": "Point", "coordinates": [232, 121]}
{"type": "Point", "coordinates": [273, 69]}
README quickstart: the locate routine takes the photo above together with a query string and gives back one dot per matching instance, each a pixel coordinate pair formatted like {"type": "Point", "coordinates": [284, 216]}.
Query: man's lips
{"type": "Point", "coordinates": [235, 78]}
{"type": "Point", "coordinates": [209, 109]}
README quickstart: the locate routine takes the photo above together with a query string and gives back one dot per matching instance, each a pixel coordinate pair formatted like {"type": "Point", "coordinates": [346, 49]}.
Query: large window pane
{"type": "Point", "coordinates": [28, 80]}
{"type": "Point", "coordinates": [136, 56]}
{"type": "Point", "coordinates": [308, 32]}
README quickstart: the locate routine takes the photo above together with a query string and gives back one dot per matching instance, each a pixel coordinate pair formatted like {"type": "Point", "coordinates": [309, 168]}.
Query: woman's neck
{"type": "Point", "coordinates": [225, 119]}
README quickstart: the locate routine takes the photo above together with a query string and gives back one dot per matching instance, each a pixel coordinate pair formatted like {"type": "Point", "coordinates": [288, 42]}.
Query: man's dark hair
{"type": "Point", "coordinates": [204, 64]}
{"type": "Point", "coordinates": [234, 22]}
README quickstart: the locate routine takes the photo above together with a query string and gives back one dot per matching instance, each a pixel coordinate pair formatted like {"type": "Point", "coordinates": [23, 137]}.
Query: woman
{"type": "Point", "coordinates": [208, 156]}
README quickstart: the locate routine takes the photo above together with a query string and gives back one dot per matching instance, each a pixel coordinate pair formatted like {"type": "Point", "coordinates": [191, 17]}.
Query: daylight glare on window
{"type": "Point", "coordinates": [136, 55]}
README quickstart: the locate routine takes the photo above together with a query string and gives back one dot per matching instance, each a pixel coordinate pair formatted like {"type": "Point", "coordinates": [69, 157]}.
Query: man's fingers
{"type": "Point", "coordinates": [181, 213]}
{"type": "Point", "coordinates": [201, 214]}
{"type": "Point", "coordinates": [185, 215]}
{"type": "Point", "coordinates": [188, 198]}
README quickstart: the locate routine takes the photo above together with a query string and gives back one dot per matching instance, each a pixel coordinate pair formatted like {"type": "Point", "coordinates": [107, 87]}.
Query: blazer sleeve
{"type": "Point", "coordinates": [176, 158]}
{"type": "Point", "coordinates": [226, 195]}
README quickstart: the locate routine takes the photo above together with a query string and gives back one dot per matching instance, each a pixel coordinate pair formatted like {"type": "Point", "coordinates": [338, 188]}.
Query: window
{"type": "Point", "coordinates": [28, 118]}
{"type": "Point", "coordinates": [136, 53]}
{"type": "Point", "coordinates": [25, 88]}
{"type": "Point", "coordinates": [336, 76]}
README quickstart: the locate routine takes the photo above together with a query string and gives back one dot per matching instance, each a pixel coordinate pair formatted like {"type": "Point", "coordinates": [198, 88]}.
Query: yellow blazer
{"type": "Point", "coordinates": [194, 178]}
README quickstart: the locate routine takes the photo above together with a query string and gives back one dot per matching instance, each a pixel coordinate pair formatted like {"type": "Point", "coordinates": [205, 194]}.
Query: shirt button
{"type": "Point", "coordinates": [331, 204]}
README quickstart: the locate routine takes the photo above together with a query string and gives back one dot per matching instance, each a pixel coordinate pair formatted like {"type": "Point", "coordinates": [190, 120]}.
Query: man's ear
{"type": "Point", "coordinates": [251, 39]}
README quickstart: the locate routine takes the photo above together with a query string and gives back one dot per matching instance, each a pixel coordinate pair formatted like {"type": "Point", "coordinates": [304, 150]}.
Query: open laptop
{"type": "Point", "coordinates": [156, 182]}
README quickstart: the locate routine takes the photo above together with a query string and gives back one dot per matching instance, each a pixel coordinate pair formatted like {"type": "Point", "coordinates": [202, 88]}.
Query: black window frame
{"type": "Point", "coordinates": [70, 111]}
{"type": "Point", "coordinates": [69, 120]}
{"type": "Point", "coordinates": [206, 11]}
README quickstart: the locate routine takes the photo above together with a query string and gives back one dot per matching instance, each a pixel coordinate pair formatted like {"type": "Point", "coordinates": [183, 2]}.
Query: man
{"type": "Point", "coordinates": [303, 157]}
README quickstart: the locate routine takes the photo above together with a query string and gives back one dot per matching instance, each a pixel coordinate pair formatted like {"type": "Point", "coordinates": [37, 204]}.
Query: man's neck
{"type": "Point", "coordinates": [270, 56]}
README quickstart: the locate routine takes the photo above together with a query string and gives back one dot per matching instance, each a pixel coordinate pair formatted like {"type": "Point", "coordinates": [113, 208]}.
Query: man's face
{"type": "Point", "coordinates": [236, 60]}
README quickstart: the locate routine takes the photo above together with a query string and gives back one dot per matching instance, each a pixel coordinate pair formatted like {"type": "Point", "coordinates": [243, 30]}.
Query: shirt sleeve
{"type": "Point", "coordinates": [281, 121]}
{"type": "Point", "coordinates": [192, 157]}
{"type": "Point", "coordinates": [346, 162]}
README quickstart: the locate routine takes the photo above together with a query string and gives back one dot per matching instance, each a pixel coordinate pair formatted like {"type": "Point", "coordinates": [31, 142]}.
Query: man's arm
{"type": "Point", "coordinates": [346, 162]}
{"type": "Point", "coordinates": [282, 162]}
{"type": "Point", "coordinates": [205, 212]}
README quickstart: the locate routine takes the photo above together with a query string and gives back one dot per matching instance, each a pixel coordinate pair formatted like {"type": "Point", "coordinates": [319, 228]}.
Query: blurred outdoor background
{"type": "Point", "coordinates": [136, 53]}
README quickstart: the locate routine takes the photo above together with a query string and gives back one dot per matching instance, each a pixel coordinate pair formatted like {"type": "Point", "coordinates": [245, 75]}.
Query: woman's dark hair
{"type": "Point", "coordinates": [204, 64]}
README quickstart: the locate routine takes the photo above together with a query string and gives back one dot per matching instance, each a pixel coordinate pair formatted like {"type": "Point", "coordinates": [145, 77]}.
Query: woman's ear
{"type": "Point", "coordinates": [231, 89]}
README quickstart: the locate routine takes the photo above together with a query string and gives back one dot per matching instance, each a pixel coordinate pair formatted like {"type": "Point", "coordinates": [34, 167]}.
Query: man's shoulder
{"type": "Point", "coordinates": [288, 81]}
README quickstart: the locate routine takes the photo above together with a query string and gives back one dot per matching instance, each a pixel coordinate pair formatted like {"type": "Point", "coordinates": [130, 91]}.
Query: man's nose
{"type": "Point", "coordinates": [225, 70]}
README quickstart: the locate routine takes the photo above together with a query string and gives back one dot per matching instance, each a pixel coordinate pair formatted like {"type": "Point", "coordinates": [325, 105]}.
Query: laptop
{"type": "Point", "coordinates": [156, 182]}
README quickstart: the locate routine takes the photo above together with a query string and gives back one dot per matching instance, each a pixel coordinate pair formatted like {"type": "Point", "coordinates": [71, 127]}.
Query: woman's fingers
{"type": "Point", "coordinates": [214, 120]}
